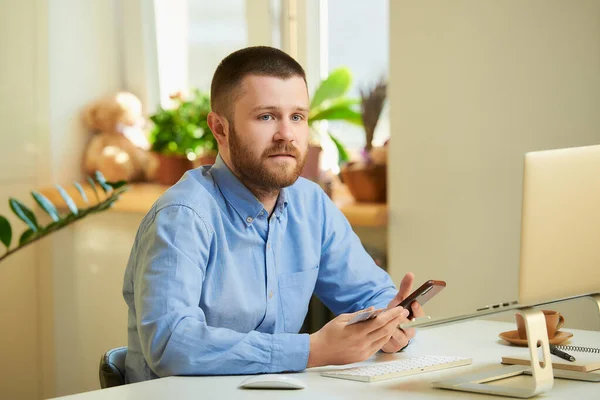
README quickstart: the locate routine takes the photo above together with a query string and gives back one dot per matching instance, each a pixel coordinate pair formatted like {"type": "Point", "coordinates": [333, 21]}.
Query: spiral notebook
{"type": "Point", "coordinates": [586, 358]}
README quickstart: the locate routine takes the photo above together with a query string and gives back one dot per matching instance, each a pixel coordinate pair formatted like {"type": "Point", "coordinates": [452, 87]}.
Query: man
{"type": "Point", "coordinates": [225, 263]}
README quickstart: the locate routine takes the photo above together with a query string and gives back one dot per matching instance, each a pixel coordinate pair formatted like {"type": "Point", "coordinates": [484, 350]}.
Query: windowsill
{"type": "Point", "coordinates": [140, 197]}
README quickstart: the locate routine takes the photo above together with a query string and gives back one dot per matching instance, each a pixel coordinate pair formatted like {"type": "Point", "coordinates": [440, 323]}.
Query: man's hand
{"type": "Point", "coordinates": [401, 337]}
{"type": "Point", "coordinates": [337, 343]}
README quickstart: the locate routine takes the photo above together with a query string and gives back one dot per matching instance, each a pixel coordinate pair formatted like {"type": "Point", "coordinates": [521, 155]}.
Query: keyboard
{"type": "Point", "coordinates": [398, 368]}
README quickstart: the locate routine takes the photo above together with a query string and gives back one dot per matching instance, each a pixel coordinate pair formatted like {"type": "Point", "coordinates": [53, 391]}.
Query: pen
{"type": "Point", "coordinates": [561, 354]}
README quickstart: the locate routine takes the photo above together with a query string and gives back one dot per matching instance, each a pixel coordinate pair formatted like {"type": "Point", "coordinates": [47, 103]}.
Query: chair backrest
{"type": "Point", "coordinates": [112, 367]}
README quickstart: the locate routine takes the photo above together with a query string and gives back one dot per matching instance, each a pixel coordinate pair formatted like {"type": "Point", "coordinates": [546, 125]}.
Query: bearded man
{"type": "Point", "coordinates": [225, 263]}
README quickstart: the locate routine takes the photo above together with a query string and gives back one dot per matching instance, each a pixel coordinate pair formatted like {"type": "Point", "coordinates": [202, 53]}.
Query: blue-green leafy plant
{"type": "Point", "coordinates": [35, 230]}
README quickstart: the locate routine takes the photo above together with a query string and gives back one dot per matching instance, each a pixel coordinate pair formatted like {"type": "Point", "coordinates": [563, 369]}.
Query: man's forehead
{"type": "Point", "coordinates": [272, 91]}
{"type": "Point", "coordinates": [265, 85]}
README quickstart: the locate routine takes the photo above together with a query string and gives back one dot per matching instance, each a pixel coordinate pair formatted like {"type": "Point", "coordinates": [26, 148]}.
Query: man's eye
{"type": "Point", "coordinates": [297, 118]}
{"type": "Point", "coordinates": [266, 117]}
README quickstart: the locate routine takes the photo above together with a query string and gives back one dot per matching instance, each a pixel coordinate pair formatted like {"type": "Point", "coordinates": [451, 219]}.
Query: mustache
{"type": "Point", "coordinates": [287, 148]}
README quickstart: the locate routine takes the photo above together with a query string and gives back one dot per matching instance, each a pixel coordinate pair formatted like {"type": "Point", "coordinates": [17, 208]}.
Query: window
{"type": "Point", "coordinates": [358, 38]}
{"type": "Point", "coordinates": [353, 34]}
{"type": "Point", "coordinates": [193, 36]}
{"type": "Point", "coordinates": [216, 28]}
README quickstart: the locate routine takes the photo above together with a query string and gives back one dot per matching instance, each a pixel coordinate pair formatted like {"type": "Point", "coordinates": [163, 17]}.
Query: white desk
{"type": "Point", "coordinates": [476, 339]}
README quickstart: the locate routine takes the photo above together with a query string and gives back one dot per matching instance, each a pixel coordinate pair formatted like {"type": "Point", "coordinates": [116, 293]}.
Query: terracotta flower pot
{"type": "Point", "coordinates": [171, 168]}
{"type": "Point", "coordinates": [366, 183]}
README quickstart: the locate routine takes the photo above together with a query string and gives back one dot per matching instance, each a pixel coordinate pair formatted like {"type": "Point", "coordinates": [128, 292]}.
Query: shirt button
{"type": "Point", "coordinates": [268, 245]}
{"type": "Point", "coordinates": [249, 219]}
{"type": "Point", "coordinates": [262, 213]}
{"type": "Point", "coordinates": [271, 294]}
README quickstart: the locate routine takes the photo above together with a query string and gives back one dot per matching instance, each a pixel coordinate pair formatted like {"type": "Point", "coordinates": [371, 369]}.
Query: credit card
{"type": "Point", "coordinates": [365, 315]}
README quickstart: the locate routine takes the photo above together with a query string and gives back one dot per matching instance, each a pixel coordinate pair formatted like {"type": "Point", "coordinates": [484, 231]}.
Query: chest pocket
{"type": "Point", "coordinates": [295, 292]}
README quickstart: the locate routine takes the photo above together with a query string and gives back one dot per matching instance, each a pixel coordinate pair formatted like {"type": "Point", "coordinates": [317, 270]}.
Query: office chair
{"type": "Point", "coordinates": [112, 367]}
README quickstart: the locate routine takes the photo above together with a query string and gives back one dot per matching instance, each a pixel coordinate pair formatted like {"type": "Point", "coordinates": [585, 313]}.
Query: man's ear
{"type": "Point", "coordinates": [219, 127]}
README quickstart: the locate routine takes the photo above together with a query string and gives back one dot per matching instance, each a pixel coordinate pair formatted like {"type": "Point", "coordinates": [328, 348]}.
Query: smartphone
{"type": "Point", "coordinates": [422, 295]}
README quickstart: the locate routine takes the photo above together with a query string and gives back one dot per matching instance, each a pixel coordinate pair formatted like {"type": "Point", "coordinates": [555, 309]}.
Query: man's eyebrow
{"type": "Point", "coordinates": [274, 108]}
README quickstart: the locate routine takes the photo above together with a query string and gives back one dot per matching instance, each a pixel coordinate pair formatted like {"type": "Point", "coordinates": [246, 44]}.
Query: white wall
{"type": "Point", "coordinates": [475, 84]}
{"type": "Point", "coordinates": [90, 315]}
{"type": "Point", "coordinates": [84, 63]}
{"type": "Point", "coordinates": [56, 57]}
{"type": "Point", "coordinates": [20, 147]}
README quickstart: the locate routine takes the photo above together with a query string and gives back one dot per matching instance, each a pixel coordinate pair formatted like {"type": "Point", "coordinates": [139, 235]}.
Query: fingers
{"type": "Point", "coordinates": [398, 340]}
{"type": "Point", "coordinates": [379, 344]}
{"type": "Point", "coordinates": [395, 301]}
{"type": "Point", "coordinates": [417, 310]}
{"type": "Point", "coordinates": [405, 289]}
{"type": "Point", "coordinates": [387, 330]}
{"type": "Point", "coordinates": [392, 346]}
{"type": "Point", "coordinates": [409, 333]}
{"type": "Point", "coordinates": [406, 285]}
{"type": "Point", "coordinates": [402, 336]}
{"type": "Point", "coordinates": [384, 319]}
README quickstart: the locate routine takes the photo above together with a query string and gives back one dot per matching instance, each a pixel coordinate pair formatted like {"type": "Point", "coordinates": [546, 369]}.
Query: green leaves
{"type": "Point", "coordinates": [36, 231]}
{"type": "Point", "coordinates": [102, 181]}
{"type": "Point", "coordinates": [24, 213]}
{"type": "Point", "coordinates": [5, 232]}
{"type": "Point", "coordinates": [81, 192]}
{"type": "Point", "coordinates": [117, 185]}
{"type": "Point", "coordinates": [46, 205]}
{"type": "Point", "coordinates": [336, 85]}
{"type": "Point", "coordinates": [339, 110]}
{"type": "Point", "coordinates": [330, 103]}
{"type": "Point", "coordinates": [183, 129]}
{"type": "Point", "coordinates": [93, 185]}
{"type": "Point", "coordinates": [26, 237]}
{"type": "Point", "coordinates": [68, 200]}
{"type": "Point", "coordinates": [342, 154]}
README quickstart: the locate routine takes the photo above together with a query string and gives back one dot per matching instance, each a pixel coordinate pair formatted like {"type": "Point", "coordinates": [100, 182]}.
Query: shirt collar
{"type": "Point", "coordinates": [281, 203]}
{"type": "Point", "coordinates": [239, 196]}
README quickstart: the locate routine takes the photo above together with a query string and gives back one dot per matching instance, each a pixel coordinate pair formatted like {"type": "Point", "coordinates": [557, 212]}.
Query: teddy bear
{"type": "Point", "coordinates": [119, 148]}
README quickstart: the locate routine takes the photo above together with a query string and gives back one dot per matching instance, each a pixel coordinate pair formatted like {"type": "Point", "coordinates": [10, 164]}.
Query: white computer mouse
{"type": "Point", "coordinates": [272, 381]}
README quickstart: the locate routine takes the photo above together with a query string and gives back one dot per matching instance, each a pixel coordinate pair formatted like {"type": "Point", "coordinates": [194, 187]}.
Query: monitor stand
{"type": "Point", "coordinates": [543, 377]}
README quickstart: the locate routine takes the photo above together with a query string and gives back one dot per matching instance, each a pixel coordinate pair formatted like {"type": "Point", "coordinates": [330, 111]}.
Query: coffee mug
{"type": "Point", "coordinates": [554, 321]}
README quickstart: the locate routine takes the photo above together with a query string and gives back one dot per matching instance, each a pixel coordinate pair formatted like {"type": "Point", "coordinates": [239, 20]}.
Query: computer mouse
{"type": "Point", "coordinates": [272, 381]}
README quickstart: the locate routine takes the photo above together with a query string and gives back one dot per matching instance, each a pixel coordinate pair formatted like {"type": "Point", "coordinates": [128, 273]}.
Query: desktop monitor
{"type": "Point", "coordinates": [560, 257]}
{"type": "Point", "coordinates": [560, 226]}
{"type": "Point", "coordinates": [560, 232]}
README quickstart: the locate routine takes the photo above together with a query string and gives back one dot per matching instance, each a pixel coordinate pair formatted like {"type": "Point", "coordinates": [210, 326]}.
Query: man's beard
{"type": "Point", "coordinates": [255, 171]}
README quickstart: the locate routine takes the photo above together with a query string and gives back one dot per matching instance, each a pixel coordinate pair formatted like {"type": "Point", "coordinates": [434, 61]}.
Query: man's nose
{"type": "Point", "coordinates": [285, 131]}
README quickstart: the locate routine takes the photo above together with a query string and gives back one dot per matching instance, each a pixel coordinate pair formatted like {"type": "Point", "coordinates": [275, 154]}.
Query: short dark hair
{"type": "Point", "coordinates": [256, 60]}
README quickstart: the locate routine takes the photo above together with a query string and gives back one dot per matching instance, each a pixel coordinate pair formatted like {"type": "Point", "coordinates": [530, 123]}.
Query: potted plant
{"type": "Point", "coordinates": [366, 178]}
{"type": "Point", "coordinates": [330, 102]}
{"type": "Point", "coordinates": [181, 136]}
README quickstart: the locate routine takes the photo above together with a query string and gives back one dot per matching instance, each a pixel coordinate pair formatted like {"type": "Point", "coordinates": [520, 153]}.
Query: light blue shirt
{"type": "Point", "coordinates": [215, 286]}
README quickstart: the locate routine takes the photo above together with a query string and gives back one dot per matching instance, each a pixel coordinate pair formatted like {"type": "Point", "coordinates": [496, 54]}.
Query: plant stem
{"type": "Point", "coordinates": [58, 227]}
